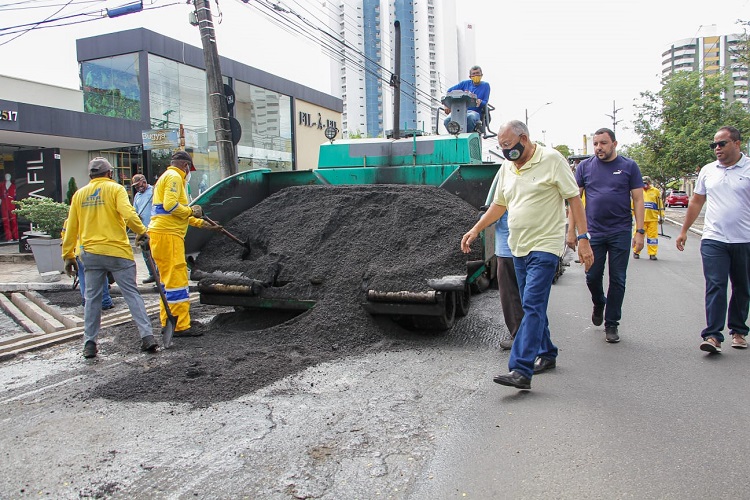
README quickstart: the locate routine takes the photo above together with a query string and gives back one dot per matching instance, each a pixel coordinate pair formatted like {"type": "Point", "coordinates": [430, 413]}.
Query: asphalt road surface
{"type": "Point", "coordinates": [650, 417]}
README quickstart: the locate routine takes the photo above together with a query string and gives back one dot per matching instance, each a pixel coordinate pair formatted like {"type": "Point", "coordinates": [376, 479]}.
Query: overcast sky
{"type": "Point", "coordinates": [580, 55]}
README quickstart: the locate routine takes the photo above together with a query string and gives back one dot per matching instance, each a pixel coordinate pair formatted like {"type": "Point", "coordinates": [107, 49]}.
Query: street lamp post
{"type": "Point", "coordinates": [535, 112]}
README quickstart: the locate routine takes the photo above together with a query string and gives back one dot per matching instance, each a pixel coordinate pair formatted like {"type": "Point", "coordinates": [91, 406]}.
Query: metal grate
{"type": "Point", "coordinates": [475, 149]}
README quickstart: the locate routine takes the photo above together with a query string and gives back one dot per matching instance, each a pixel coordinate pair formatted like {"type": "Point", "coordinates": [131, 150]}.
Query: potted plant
{"type": "Point", "coordinates": [47, 218]}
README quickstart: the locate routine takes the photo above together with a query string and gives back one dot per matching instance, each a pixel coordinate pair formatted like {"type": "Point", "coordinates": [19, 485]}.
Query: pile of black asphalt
{"type": "Point", "coordinates": [320, 243]}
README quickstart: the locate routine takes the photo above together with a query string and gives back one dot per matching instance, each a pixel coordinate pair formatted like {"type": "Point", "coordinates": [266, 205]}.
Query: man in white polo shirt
{"type": "Point", "coordinates": [725, 245]}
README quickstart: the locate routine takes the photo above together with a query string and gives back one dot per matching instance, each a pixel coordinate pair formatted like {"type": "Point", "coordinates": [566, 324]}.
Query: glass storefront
{"type": "Point", "coordinates": [266, 120]}
{"type": "Point", "coordinates": [178, 96]}
{"type": "Point", "coordinates": [126, 162]}
{"type": "Point", "coordinates": [110, 87]}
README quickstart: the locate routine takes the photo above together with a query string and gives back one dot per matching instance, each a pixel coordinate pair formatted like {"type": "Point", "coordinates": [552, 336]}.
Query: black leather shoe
{"type": "Point", "coordinates": [89, 349]}
{"type": "Point", "coordinates": [513, 379]}
{"type": "Point", "coordinates": [544, 364]}
{"type": "Point", "coordinates": [636, 256]}
{"type": "Point", "coordinates": [148, 344]}
{"type": "Point", "coordinates": [611, 335]}
{"type": "Point", "coordinates": [597, 316]}
{"type": "Point", "coordinates": [148, 280]}
{"type": "Point", "coordinates": [652, 257]}
{"type": "Point", "coordinates": [506, 344]}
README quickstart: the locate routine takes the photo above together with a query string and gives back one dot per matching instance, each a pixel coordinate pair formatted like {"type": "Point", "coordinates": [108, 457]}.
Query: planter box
{"type": "Point", "coordinates": [47, 254]}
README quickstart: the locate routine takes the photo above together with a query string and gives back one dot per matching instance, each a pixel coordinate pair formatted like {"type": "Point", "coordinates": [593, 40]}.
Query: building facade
{"type": "Point", "coordinates": [712, 54]}
{"type": "Point", "coordinates": [142, 96]}
{"type": "Point", "coordinates": [365, 59]}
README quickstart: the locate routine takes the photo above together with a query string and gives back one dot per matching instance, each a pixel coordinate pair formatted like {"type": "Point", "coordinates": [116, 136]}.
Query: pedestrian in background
{"type": "Point", "coordinates": [611, 184]}
{"type": "Point", "coordinates": [653, 216]}
{"type": "Point", "coordinates": [144, 195]}
{"type": "Point", "coordinates": [99, 214]}
{"type": "Point", "coordinates": [533, 183]}
{"type": "Point", "coordinates": [507, 284]}
{"type": "Point", "coordinates": [170, 217]}
{"type": "Point", "coordinates": [724, 187]}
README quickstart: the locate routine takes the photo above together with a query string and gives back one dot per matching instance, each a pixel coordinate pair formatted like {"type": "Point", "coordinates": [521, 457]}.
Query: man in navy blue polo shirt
{"type": "Point", "coordinates": [609, 182]}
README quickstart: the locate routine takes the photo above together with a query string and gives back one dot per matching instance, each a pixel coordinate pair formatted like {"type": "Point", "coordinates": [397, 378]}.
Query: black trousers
{"type": "Point", "coordinates": [510, 298]}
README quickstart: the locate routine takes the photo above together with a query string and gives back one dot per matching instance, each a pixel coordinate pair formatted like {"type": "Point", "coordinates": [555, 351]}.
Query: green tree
{"type": "Point", "coordinates": [564, 150]}
{"type": "Point", "coordinates": [677, 123]}
{"type": "Point", "coordinates": [72, 188]}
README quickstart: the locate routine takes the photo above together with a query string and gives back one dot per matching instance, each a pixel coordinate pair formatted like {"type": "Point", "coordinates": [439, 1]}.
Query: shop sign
{"type": "Point", "coordinates": [307, 120]}
{"type": "Point", "coordinates": [8, 115]}
{"type": "Point", "coordinates": [37, 173]}
{"type": "Point", "coordinates": [168, 138]}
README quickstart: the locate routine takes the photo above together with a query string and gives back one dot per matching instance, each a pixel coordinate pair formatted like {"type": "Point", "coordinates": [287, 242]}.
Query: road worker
{"type": "Point", "coordinates": [170, 217]}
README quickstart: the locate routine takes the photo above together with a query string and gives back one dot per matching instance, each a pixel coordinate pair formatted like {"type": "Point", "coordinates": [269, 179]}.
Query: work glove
{"type": "Point", "coordinates": [197, 211]}
{"type": "Point", "coordinates": [71, 267]}
{"type": "Point", "coordinates": [142, 240]}
{"type": "Point", "coordinates": [212, 227]}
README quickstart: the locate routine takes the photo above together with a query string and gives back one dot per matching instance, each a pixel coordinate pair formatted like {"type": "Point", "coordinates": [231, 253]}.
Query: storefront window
{"type": "Point", "coordinates": [110, 87]}
{"type": "Point", "coordinates": [177, 96]}
{"type": "Point", "coordinates": [265, 117]}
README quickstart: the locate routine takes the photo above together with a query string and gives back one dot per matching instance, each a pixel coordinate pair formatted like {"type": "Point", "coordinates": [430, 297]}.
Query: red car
{"type": "Point", "coordinates": [677, 199]}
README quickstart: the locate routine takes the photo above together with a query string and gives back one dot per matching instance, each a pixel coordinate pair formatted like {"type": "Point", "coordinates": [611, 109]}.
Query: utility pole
{"type": "Point", "coordinates": [217, 99]}
{"type": "Point", "coordinates": [396, 79]}
{"type": "Point", "coordinates": [613, 115]}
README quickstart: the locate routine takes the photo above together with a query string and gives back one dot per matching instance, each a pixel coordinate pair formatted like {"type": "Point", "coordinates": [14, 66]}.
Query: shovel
{"type": "Point", "coordinates": [245, 244]}
{"type": "Point", "coordinates": [168, 330]}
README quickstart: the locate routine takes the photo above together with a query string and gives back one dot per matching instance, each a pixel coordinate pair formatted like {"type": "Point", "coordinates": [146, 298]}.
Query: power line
{"type": "Point", "coordinates": [23, 33]}
{"type": "Point", "coordinates": [13, 6]}
{"type": "Point", "coordinates": [341, 52]}
{"type": "Point", "coordinates": [45, 23]}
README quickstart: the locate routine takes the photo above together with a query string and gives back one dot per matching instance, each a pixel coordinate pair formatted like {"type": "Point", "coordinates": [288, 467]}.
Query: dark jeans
{"type": "Point", "coordinates": [534, 273]}
{"type": "Point", "coordinates": [617, 247]}
{"type": "Point", "coordinates": [722, 263]}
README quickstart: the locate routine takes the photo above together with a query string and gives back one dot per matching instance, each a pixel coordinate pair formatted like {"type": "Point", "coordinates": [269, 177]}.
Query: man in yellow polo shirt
{"type": "Point", "coordinates": [99, 213]}
{"type": "Point", "coordinates": [533, 183]}
{"type": "Point", "coordinates": [170, 217]}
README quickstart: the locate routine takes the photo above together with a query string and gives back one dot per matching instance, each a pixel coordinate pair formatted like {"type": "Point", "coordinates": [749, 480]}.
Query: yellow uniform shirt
{"type": "Point", "coordinates": [653, 203]}
{"type": "Point", "coordinates": [535, 198]}
{"type": "Point", "coordinates": [170, 212]}
{"type": "Point", "coordinates": [99, 212]}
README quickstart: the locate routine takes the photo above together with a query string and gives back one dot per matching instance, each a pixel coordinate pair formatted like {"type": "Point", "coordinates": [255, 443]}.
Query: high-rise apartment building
{"type": "Point", "coordinates": [361, 68]}
{"type": "Point", "coordinates": [710, 53]}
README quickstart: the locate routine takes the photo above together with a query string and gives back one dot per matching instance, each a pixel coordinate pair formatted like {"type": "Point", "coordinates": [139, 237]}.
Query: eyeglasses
{"type": "Point", "coordinates": [721, 144]}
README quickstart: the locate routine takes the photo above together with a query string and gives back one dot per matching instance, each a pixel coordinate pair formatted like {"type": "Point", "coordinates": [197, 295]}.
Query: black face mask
{"type": "Point", "coordinates": [514, 153]}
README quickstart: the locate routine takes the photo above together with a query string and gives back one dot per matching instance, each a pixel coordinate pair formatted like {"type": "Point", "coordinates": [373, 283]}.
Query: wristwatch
{"type": "Point", "coordinates": [640, 231]}
{"type": "Point", "coordinates": [584, 236]}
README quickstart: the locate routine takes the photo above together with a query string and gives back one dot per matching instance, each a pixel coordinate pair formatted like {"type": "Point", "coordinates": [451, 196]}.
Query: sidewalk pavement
{"type": "Point", "coordinates": [18, 272]}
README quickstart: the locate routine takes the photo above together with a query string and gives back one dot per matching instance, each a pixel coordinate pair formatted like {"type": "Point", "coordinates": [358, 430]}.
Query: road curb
{"type": "Point", "coordinates": [679, 224]}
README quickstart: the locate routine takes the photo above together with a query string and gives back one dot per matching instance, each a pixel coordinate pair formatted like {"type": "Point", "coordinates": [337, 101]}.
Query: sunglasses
{"type": "Point", "coordinates": [720, 144]}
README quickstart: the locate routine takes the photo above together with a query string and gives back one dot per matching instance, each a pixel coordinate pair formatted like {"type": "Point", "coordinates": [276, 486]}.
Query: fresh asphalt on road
{"type": "Point", "coordinates": [649, 417]}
